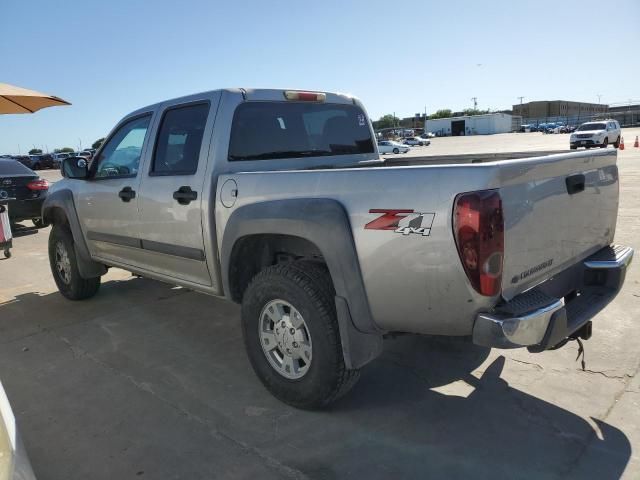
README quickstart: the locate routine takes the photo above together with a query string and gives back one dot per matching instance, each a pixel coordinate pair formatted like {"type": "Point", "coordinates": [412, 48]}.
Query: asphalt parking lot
{"type": "Point", "coordinates": [148, 380]}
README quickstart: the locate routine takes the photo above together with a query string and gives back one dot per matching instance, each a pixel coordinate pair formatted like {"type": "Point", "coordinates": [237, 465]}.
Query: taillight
{"type": "Point", "coordinates": [39, 184]}
{"type": "Point", "coordinates": [478, 227]}
{"type": "Point", "coordinates": [305, 96]}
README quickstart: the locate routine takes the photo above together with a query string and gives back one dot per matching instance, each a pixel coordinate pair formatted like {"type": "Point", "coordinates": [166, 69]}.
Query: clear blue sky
{"type": "Point", "coordinates": [110, 57]}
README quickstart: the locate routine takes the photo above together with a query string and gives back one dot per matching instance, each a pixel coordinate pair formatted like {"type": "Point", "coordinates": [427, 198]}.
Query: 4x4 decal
{"type": "Point", "coordinates": [402, 221]}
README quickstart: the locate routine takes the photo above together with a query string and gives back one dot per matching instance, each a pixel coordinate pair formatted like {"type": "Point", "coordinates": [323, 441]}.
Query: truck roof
{"type": "Point", "coordinates": [252, 94]}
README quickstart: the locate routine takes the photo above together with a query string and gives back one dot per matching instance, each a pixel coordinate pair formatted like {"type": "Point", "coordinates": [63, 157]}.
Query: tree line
{"type": "Point", "coordinates": [389, 121]}
{"type": "Point", "coordinates": [38, 151]}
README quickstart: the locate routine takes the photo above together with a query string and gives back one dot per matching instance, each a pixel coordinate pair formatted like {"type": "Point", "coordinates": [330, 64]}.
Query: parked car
{"type": "Point", "coordinates": [23, 191]}
{"type": "Point", "coordinates": [41, 161]}
{"type": "Point", "coordinates": [390, 146]}
{"type": "Point", "coordinates": [14, 463]}
{"type": "Point", "coordinates": [325, 258]}
{"type": "Point", "coordinates": [24, 160]}
{"type": "Point", "coordinates": [428, 135]}
{"type": "Point", "coordinates": [416, 141]}
{"type": "Point", "coordinates": [596, 134]}
{"type": "Point", "coordinates": [58, 157]}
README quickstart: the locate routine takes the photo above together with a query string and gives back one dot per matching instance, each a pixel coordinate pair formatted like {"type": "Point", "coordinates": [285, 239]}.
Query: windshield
{"type": "Point", "coordinates": [267, 130]}
{"type": "Point", "coordinates": [592, 126]}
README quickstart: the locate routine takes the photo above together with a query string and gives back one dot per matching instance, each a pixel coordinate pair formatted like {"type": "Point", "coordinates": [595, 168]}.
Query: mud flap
{"type": "Point", "coordinates": [358, 348]}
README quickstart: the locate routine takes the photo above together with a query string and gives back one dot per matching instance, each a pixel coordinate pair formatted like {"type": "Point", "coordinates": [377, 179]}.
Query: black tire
{"type": "Point", "coordinates": [36, 166]}
{"type": "Point", "coordinates": [307, 286]}
{"type": "Point", "coordinates": [573, 148]}
{"type": "Point", "coordinates": [37, 222]}
{"type": "Point", "coordinates": [616, 144]}
{"type": "Point", "coordinates": [605, 143]}
{"type": "Point", "coordinates": [7, 253]}
{"type": "Point", "coordinates": [74, 287]}
{"type": "Point", "coordinates": [396, 150]}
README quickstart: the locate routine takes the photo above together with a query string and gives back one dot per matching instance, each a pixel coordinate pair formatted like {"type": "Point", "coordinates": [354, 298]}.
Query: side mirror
{"type": "Point", "coordinates": [75, 167]}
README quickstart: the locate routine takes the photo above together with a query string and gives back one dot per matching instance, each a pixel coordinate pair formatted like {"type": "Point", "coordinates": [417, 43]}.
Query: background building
{"type": "Point", "coordinates": [559, 111]}
{"type": "Point", "coordinates": [486, 124]}
{"type": "Point", "coordinates": [628, 114]}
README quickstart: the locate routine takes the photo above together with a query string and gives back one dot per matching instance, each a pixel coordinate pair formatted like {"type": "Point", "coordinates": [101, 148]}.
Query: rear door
{"type": "Point", "coordinates": [170, 202]}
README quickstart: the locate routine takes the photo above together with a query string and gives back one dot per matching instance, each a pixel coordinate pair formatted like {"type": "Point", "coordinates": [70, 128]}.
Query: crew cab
{"type": "Point", "coordinates": [279, 201]}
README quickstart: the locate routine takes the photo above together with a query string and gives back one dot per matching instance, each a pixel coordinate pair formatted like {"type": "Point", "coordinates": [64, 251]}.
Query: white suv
{"type": "Point", "coordinates": [596, 134]}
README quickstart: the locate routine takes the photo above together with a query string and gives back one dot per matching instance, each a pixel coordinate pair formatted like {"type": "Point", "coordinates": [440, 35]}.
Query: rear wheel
{"type": "Point", "coordinates": [64, 266]}
{"type": "Point", "coordinates": [396, 150]}
{"type": "Point", "coordinates": [36, 166]}
{"type": "Point", "coordinates": [616, 144]}
{"type": "Point", "coordinates": [605, 143]}
{"type": "Point", "coordinates": [290, 330]}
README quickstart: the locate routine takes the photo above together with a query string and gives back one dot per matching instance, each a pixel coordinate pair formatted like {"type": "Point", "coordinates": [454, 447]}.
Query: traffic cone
{"type": "Point", "coordinates": [621, 147]}
{"type": "Point", "coordinates": [636, 144]}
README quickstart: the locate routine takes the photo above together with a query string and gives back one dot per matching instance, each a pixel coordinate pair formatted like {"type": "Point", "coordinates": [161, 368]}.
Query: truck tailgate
{"type": "Point", "coordinates": [557, 211]}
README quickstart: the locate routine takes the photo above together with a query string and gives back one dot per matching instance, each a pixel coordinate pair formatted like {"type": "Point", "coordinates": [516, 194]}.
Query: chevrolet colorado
{"type": "Point", "coordinates": [278, 200]}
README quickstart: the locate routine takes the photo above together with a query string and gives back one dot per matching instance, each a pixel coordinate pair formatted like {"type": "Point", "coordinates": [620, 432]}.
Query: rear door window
{"type": "Point", "coordinates": [268, 130]}
{"type": "Point", "coordinates": [179, 140]}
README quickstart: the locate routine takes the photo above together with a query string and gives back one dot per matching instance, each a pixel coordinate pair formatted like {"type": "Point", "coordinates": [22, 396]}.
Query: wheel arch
{"type": "Point", "coordinates": [59, 209]}
{"type": "Point", "coordinates": [314, 228]}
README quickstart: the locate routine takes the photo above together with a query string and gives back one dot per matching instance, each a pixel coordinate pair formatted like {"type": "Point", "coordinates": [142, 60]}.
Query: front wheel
{"type": "Point", "coordinates": [396, 151]}
{"type": "Point", "coordinates": [290, 330]}
{"type": "Point", "coordinates": [605, 143]}
{"type": "Point", "coordinates": [64, 266]}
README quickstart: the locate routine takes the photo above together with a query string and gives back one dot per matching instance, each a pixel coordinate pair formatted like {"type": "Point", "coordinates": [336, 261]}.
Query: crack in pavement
{"type": "Point", "coordinates": [537, 365]}
{"type": "Point", "coordinates": [574, 463]}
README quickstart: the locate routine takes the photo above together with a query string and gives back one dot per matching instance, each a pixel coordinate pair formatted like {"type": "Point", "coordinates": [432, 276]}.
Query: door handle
{"type": "Point", "coordinates": [184, 195]}
{"type": "Point", "coordinates": [575, 183]}
{"type": "Point", "coordinates": [126, 194]}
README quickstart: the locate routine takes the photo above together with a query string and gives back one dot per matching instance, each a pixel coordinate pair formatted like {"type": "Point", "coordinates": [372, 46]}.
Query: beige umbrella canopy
{"type": "Point", "coordinates": [21, 100]}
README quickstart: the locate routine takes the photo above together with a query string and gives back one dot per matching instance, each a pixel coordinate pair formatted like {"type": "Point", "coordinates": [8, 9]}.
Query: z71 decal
{"type": "Point", "coordinates": [402, 221]}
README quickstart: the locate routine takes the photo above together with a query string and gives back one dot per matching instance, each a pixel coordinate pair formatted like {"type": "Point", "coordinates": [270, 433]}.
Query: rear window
{"type": "Point", "coordinates": [13, 167]}
{"type": "Point", "coordinates": [266, 130]}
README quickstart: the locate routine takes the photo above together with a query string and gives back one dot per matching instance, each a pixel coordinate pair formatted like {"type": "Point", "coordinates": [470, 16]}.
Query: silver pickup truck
{"type": "Point", "coordinates": [278, 200]}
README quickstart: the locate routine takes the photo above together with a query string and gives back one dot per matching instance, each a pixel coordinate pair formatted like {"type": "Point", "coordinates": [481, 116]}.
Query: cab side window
{"type": "Point", "coordinates": [179, 140]}
{"type": "Point", "coordinates": [120, 156]}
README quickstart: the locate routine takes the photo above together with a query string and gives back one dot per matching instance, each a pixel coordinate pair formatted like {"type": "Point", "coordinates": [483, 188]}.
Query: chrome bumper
{"type": "Point", "coordinates": [540, 320]}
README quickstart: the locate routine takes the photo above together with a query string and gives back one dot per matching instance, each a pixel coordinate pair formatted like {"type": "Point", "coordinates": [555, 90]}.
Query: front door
{"type": "Point", "coordinates": [107, 203]}
{"type": "Point", "coordinates": [170, 200]}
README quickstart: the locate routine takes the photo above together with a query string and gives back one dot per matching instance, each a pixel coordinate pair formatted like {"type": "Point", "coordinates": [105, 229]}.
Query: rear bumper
{"type": "Point", "coordinates": [25, 209]}
{"type": "Point", "coordinates": [544, 316]}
